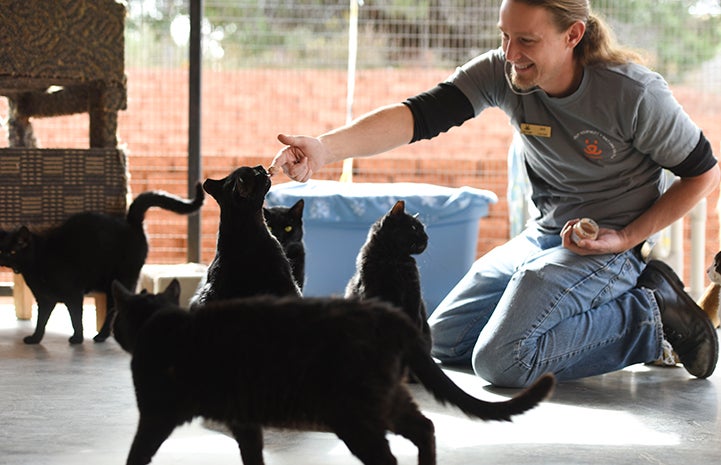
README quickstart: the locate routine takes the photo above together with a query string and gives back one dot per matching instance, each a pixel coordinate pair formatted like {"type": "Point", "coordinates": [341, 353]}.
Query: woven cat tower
{"type": "Point", "coordinates": [61, 57]}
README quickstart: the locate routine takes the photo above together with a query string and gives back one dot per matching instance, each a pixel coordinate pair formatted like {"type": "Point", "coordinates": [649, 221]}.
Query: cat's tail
{"type": "Point", "coordinates": [146, 200]}
{"type": "Point", "coordinates": [446, 391]}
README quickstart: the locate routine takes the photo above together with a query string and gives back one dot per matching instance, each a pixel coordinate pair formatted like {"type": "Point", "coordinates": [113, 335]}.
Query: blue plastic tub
{"type": "Point", "coordinates": [337, 216]}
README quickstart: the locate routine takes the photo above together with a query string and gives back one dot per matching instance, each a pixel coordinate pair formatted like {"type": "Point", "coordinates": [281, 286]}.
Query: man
{"type": "Point", "coordinates": [596, 128]}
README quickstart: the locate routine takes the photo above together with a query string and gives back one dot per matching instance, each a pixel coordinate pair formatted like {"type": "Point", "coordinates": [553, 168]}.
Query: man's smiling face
{"type": "Point", "coordinates": [537, 53]}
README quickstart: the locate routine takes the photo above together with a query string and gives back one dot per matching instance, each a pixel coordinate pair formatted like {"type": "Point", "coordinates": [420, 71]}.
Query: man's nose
{"type": "Point", "coordinates": [511, 50]}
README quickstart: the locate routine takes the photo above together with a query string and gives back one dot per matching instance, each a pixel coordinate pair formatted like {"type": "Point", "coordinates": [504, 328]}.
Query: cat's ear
{"type": "Point", "coordinates": [398, 208]}
{"type": "Point", "coordinates": [172, 292]}
{"type": "Point", "coordinates": [120, 294]}
{"type": "Point", "coordinates": [297, 208]}
{"type": "Point", "coordinates": [214, 187]}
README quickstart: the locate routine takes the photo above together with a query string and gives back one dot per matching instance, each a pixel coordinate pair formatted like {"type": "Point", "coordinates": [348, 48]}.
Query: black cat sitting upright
{"type": "Point", "coordinates": [248, 260]}
{"type": "Point", "coordinates": [286, 224]}
{"type": "Point", "coordinates": [386, 269]}
{"type": "Point", "coordinates": [86, 253]}
{"type": "Point", "coordinates": [316, 364]}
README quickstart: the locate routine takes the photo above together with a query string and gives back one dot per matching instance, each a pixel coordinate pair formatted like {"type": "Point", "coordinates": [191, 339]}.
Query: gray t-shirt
{"type": "Point", "coordinates": [597, 153]}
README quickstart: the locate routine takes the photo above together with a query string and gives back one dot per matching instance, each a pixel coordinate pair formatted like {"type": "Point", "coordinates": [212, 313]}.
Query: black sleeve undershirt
{"type": "Point", "coordinates": [438, 110]}
{"type": "Point", "coordinates": [700, 160]}
{"type": "Point", "coordinates": [445, 106]}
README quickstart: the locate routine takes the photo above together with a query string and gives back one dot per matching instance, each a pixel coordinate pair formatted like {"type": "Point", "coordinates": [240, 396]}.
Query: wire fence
{"type": "Point", "coordinates": [272, 66]}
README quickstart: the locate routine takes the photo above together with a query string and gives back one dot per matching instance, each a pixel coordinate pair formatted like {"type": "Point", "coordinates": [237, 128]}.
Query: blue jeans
{"type": "Point", "coordinates": [531, 307]}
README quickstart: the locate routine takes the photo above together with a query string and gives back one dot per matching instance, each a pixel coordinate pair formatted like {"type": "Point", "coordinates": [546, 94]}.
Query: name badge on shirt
{"type": "Point", "coordinates": [535, 130]}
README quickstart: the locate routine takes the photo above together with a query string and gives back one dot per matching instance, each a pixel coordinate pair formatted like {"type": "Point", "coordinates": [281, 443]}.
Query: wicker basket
{"type": "Point", "coordinates": [40, 188]}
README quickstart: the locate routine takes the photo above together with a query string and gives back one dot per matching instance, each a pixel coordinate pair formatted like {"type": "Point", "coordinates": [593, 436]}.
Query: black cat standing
{"type": "Point", "coordinates": [248, 260]}
{"type": "Point", "coordinates": [86, 253]}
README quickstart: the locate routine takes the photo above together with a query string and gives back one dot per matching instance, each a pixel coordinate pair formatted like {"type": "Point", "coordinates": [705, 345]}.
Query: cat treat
{"type": "Point", "coordinates": [586, 228]}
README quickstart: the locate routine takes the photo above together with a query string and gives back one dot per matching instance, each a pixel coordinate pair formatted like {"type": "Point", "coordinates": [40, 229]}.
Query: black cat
{"type": "Point", "coordinates": [320, 364]}
{"type": "Point", "coordinates": [249, 260]}
{"type": "Point", "coordinates": [385, 268]}
{"type": "Point", "coordinates": [85, 253]}
{"type": "Point", "coordinates": [286, 224]}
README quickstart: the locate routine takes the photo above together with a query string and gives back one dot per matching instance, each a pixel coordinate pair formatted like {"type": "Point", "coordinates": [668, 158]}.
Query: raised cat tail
{"type": "Point", "coordinates": [446, 391]}
{"type": "Point", "coordinates": [146, 200]}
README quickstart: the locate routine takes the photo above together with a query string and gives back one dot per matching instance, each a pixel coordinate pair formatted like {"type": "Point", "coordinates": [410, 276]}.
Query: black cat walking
{"type": "Point", "coordinates": [84, 254]}
{"type": "Point", "coordinates": [315, 364]}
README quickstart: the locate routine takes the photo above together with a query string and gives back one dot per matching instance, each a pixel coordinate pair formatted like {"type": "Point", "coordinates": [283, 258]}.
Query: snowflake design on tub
{"type": "Point", "coordinates": [358, 206]}
{"type": "Point", "coordinates": [320, 209]}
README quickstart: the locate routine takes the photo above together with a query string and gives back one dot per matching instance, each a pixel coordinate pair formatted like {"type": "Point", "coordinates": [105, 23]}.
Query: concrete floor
{"type": "Point", "coordinates": [63, 404]}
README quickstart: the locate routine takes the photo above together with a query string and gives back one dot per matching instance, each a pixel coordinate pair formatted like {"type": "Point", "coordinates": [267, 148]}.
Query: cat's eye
{"type": "Point", "coordinates": [288, 229]}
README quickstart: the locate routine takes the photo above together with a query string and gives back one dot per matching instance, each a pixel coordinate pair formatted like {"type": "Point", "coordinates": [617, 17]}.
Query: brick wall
{"type": "Point", "coordinates": [243, 111]}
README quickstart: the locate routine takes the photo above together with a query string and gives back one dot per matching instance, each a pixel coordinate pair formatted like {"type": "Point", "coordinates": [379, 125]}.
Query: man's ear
{"type": "Point", "coordinates": [575, 33]}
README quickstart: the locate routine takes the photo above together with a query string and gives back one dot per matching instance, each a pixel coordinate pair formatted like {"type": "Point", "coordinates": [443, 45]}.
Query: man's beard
{"type": "Point", "coordinates": [521, 84]}
{"type": "Point", "coordinates": [518, 86]}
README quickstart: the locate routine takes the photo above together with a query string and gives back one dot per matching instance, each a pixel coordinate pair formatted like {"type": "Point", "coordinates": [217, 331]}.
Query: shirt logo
{"type": "Point", "coordinates": [592, 149]}
{"type": "Point", "coordinates": [595, 146]}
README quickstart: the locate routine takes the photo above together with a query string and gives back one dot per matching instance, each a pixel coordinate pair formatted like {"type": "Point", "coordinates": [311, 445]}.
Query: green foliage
{"type": "Point", "coordinates": [675, 40]}
{"type": "Point", "coordinates": [314, 32]}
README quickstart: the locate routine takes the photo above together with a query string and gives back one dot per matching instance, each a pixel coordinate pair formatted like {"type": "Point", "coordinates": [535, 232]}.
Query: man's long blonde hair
{"type": "Point", "coordinates": [598, 44]}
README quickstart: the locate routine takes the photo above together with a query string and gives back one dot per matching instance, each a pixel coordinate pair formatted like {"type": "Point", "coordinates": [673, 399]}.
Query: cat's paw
{"type": "Point", "coordinates": [100, 337]}
{"type": "Point", "coordinates": [75, 339]}
{"type": "Point", "coordinates": [32, 339]}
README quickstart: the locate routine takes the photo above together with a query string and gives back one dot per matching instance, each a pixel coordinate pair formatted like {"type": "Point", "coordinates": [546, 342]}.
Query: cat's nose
{"type": "Point", "coordinates": [260, 169]}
